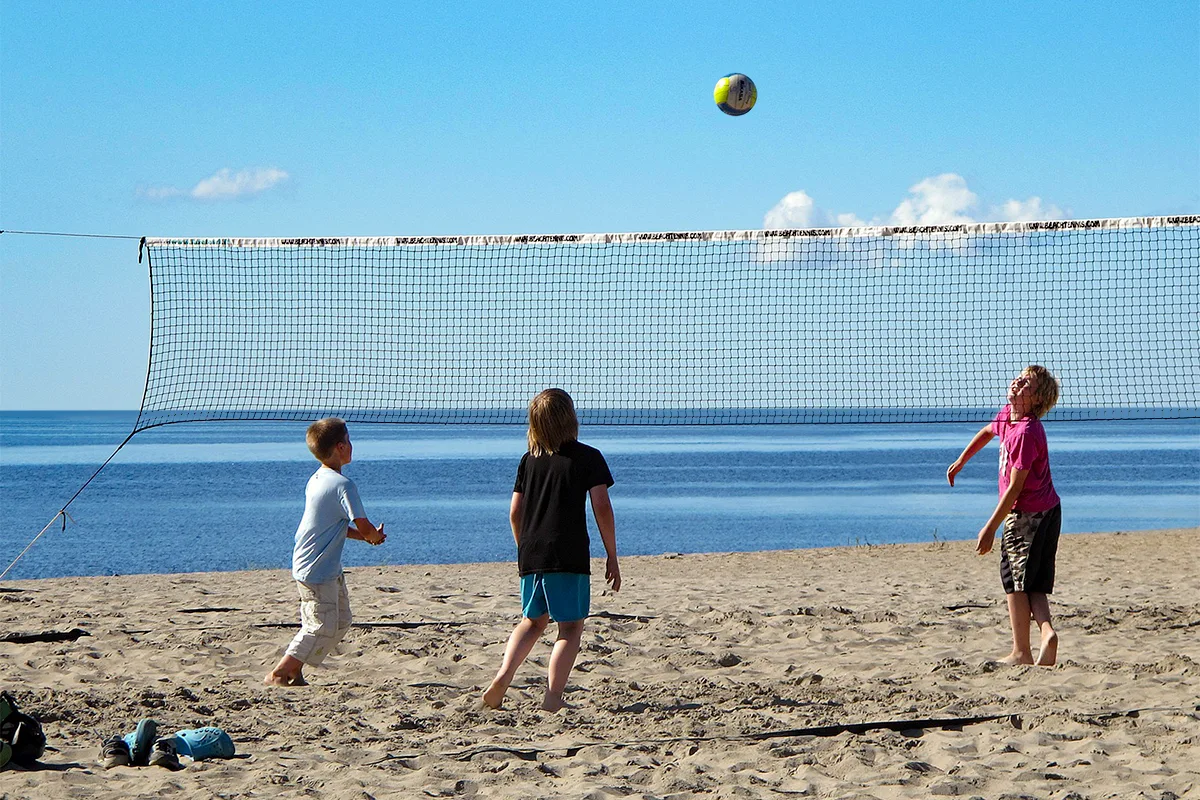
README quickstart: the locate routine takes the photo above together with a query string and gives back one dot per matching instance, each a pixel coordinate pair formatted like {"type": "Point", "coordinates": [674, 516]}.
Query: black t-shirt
{"type": "Point", "coordinates": [554, 535]}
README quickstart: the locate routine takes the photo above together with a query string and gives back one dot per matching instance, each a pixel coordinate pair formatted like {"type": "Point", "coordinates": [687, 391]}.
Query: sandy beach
{"type": "Point", "coordinates": [746, 675]}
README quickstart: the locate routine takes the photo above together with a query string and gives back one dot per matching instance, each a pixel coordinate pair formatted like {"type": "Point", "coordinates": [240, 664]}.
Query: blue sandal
{"type": "Point", "coordinates": [141, 741]}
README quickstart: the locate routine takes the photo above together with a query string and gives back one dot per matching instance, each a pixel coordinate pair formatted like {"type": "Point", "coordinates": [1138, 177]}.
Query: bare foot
{"type": "Point", "coordinates": [1049, 652]}
{"type": "Point", "coordinates": [1017, 658]}
{"type": "Point", "coordinates": [554, 704]}
{"type": "Point", "coordinates": [275, 679]}
{"type": "Point", "coordinates": [494, 696]}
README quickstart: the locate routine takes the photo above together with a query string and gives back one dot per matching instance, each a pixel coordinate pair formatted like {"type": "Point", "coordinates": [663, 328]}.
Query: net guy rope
{"type": "Point", "coordinates": [839, 325]}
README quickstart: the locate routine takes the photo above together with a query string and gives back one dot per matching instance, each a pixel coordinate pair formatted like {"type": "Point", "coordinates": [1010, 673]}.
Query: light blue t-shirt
{"type": "Point", "coordinates": [330, 503]}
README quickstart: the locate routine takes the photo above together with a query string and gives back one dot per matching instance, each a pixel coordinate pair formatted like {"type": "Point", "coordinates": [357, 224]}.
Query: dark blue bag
{"type": "Point", "coordinates": [21, 738]}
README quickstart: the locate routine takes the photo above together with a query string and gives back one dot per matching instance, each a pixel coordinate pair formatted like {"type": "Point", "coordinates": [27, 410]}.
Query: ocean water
{"type": "Point", "coordinates": [228, 496]}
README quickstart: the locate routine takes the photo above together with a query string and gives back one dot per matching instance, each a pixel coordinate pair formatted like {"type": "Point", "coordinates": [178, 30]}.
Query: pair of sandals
{"type": "Point", "coordinates": [144, 747]}
{"type": "Point", "coordinates": [141, 748]}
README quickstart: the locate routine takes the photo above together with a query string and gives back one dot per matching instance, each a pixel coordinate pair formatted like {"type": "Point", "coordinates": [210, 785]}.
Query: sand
{"type": "Point", "coordinates": [693, 682]}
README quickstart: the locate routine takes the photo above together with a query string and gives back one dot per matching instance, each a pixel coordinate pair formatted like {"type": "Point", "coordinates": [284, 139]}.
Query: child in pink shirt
{"type": "Point", "coordinates": [1028, 509]}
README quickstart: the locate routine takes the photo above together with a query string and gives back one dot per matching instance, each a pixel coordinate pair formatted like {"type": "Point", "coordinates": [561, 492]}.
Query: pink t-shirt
{"type": "Point", "coordinates": [1023, 445]}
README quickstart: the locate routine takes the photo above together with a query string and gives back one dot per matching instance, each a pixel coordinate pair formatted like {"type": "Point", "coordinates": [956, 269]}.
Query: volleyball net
{"type": "Point", "coordinates": [729, 327]}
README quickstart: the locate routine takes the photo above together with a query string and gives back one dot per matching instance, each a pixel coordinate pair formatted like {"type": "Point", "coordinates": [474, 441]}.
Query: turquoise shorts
{"type": "Point", "coordinates": [565, 596]}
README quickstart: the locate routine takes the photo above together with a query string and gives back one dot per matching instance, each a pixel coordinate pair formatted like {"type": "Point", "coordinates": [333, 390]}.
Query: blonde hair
{"type": "Point", "coordinates": [552, 422]}
{"type": "Point", "coordinates": [1045, 394]}
{"type": "Point", "coordinates": [324, 435]}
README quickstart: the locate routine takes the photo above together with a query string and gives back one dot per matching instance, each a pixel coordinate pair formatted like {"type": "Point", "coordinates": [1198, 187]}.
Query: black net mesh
{"type": "Point", "coordinates": [847, 325]}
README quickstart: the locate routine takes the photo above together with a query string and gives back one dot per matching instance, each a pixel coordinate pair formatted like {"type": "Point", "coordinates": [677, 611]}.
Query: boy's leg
{"type": "Point", "coordinates": [1022, 565]}
{"type": "Point", "coordinates": [1039, 607]}
{"type": "Point", "coordinates": [1041, 584]}
{"type": "Point", "coordinates": [319, 613]}
{"type": "Point", "coordinates": [289, 670]}
{"type": "Point", "coordinates": [570, 602]}
{"type": "Point", "coordinates": [1018, 619]}
{"type": "Point", "coordinates": [520, 642]}
{"type": "Point", "coordinates": [566, 648]}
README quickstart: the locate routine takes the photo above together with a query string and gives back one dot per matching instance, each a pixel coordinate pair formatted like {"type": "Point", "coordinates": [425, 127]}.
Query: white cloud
{"type": "Point", "coordinates": [224, 184]}
{"type": "Point", "coordinates": [937, 200]}
{"type": "Point", "coordinates": [795, 210]}
{"type": "Point", "coordinates": [941, 200]}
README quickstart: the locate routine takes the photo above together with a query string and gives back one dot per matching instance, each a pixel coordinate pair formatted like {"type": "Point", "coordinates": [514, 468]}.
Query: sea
{"type": "Point", "coordinates": [224, 496]}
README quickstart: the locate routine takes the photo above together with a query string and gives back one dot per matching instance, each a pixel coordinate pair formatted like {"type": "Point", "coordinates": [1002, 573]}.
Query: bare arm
{"type": "Point", "coordinates": [514, 515]}
{"type": "Point", "coordinates": [978, 442]}
{"type": "Point", "coordinates": [603, 512]}
{"type": "Point", "coordinates": [364, 531]}
{"type": "Point", "coordinates": [987, 534]}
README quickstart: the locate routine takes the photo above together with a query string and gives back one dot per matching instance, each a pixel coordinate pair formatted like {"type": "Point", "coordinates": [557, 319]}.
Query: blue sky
{"type": "Point", "coordinates": [283, 119]}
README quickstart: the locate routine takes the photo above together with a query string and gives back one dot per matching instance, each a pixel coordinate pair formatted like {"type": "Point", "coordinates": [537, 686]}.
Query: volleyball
{"type": "Point", "coordinates": [735, 94]}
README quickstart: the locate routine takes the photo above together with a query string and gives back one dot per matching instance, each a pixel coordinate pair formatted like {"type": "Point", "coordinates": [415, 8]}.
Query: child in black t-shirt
{"type": "Point", "coordinates": [549, 522]}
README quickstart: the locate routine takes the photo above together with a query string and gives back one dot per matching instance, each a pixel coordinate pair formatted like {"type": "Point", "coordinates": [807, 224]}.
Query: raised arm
{"type": "Point", "coordinates": [603, 512]}
{"type": "Point", "coordinates": [978, 442]}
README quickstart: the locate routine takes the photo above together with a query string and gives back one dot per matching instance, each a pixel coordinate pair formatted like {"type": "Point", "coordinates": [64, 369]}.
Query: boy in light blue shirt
{"type": "Point", "coordinates": [331, 503]}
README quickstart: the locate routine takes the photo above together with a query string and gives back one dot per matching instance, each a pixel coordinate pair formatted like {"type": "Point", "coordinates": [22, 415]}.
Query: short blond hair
{"type": "Point", "coordinates": [552, 422]}
{"type": "Point", "coordinates": [1045, 394]}
{"type": "Point", "coordinates": [324, 435]}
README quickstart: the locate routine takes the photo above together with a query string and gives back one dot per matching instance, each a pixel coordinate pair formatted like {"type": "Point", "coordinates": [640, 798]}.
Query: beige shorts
{"type": "Point", "coordinates": [324, 619]}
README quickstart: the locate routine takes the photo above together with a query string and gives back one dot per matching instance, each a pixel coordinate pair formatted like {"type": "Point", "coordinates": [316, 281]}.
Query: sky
{"type": "Point", "coordinates": [234, 119]}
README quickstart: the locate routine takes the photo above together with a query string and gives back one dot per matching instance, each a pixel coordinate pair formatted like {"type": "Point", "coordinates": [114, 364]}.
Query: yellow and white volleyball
{"type": "Point", "coordinates": [735, 94]}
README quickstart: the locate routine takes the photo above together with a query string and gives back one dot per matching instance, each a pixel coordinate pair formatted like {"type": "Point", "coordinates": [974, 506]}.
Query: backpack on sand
{"type": "Point", "coordinates": [21, 738]}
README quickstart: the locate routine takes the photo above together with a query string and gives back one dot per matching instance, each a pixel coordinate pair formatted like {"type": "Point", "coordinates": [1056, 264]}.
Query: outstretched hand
{"type": "Point", "coordinates": [953, 470]}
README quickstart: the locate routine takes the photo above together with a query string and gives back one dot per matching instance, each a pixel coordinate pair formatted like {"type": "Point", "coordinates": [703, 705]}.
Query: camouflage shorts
{"type": "Point", "coordinates": [1028, 549]}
